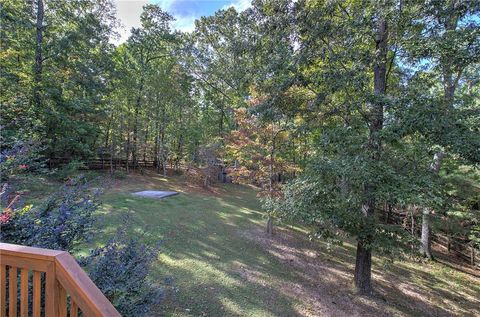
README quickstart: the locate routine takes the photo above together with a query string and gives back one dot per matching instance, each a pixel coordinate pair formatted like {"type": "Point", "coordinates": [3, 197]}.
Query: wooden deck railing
{"type": "Point", "coordinates": [47, 283]}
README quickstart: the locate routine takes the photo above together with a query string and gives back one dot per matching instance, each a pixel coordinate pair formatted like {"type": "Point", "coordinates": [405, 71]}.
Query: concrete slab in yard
{"type": "Point", "coordinates": [159, 194]}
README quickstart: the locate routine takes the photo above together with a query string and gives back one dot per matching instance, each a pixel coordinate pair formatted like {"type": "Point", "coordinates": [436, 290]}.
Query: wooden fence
{"type": "Point", "coordinates": [101, 164]}
{"type": "Point", "coordinates": [457, 246]}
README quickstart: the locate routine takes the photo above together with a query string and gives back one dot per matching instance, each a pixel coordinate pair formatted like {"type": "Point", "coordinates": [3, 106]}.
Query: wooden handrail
{"type": "Point", "coordinates": [63, 280]}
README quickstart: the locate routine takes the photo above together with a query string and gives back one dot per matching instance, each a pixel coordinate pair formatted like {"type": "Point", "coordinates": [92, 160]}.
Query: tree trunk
{"type": "Point", "coordinates": [145, 145]}
{"type": "Point", "coordinates": [363, 262]}
{"type": "Point", "coordinates": [179, 152]}
{"type": "Point", "coordinates": [205, 181]}
{"type": "Point", "coordinates": [363, 269]}
{"type": "Point", "coordinates": [425, 240]}
{"type": "Point", "coordinates": [270, 180]}
{"type": "Point", "coordinates": [156, 151]}
{"type": "Point", "coordinates": [127, 156]}
{"type": "Point", "coordinates": [107, 134]}
{"type": "Point", "coordinates": [38, 68]}
{"type": "Point", "coordinates": [449, 85]}
{"type": "Point", "coordinates": [161, 125]}
{"type": "Point", "coordinates": [472, 255]}
{"type": "Point", "coordinates": [138, 104]}
{"type": "Point", "coordinates": [388, 213]}
{"type": "Point", "coordinates": [134, 139]}
{"type": "Point", "coordinates": [162, 151]}
{"type": "Point", "coordinates": [413, 224]}
{"type": "Point", "coordinates": [270, 226]}
{"type": "Point", "coordinates": [220, 123]}
{"type": "Point", "coordinates": [112, 154]}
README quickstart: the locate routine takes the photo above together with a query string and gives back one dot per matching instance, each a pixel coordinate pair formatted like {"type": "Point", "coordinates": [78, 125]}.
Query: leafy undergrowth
{"type": "Point", "coordinates": [216, 260]}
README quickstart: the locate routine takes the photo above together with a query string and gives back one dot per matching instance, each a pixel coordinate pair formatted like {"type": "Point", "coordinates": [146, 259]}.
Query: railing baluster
{"type": "Point", "coordinates": [73, 308]}
{"type": "Point", "coordinates": [13, 292]}
{"type": "Point", "coordinates": [37, 287]}
{"type": "Point", "coordinates": [3, 290]}
{"type": "Point", "coordinates": [51, 295]}
{"type": "Point", "coordinates": [62, 301]}
{"type": "Point", "coordinates": [56, 277]}
{"type": "Point", "coordinates": [24, 292]}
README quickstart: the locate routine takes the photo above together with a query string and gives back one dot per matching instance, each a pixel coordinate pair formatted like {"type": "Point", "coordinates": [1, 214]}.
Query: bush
{"type": "Point", "coordinates": [64, 220]}
{"type": "Point", "coordinates": [22, 158]}
{"type": "Point", "coordinates": [120, 270]}
{"type": "Point", "coordinates": [68, 171]}
{"type": "Point", "coordinates": [117, 174]}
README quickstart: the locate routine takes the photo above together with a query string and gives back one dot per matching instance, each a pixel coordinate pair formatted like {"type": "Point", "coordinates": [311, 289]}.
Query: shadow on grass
{"type": "Point", "coordinates": [199, 241]}
{"type": "Point", "coordinates": [417, 290]}
{"type": "Point", "coordinates": [222, 264]}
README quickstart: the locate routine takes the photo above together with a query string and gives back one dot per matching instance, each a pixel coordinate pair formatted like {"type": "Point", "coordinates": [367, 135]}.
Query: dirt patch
{"type": "Point", "coordinates": [323, 282]}
{"type": "Point", "coordinates": [323, 285]}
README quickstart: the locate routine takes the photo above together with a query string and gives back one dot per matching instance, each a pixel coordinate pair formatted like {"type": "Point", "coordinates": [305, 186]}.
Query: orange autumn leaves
{"type": "Point", "coordinates": [254, 149]}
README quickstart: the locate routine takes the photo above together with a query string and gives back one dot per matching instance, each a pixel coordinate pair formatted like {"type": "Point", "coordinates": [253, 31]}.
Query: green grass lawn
{"type": "Point", "coordinates": [201, 248]}
{"type": "Point", "coordinates": [219, 261]}
{"type": "Point", "coordinates": [222, 264]}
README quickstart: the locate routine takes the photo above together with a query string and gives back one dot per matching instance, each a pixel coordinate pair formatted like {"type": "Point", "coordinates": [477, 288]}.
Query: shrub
{"type": "Point", "coordinates": [21, 158]}
{"type": "Point", "coordinates": [68, 171]}
{"type": "Point", "coordinates": [117, 174]}
{"type": "Point", "coordinates": [62, 221]}
{"type": "Point", "coordinates": [120, 270]}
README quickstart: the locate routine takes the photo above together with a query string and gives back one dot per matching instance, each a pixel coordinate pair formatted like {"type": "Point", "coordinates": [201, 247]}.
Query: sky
{"type": "Point", "coordinates": [184, 11]}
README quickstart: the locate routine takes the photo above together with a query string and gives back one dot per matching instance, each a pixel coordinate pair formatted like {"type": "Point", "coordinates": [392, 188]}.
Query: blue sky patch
{"type": "Point", "coordinates": [184, 11]}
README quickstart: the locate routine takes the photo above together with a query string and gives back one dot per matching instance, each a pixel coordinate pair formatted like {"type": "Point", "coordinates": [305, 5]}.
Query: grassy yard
{"type": "Point", "coordinates": [216, 260]}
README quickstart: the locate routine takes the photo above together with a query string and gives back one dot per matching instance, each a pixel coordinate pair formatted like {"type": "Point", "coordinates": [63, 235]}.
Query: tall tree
{"type": "Point", "coordinates": [447, 39]}
{"type": "Point", "coordinates": [61, 51]}
{"type": "Point", "coordinates": [37, 77]}
{"type": "Point", "coordinates": [147, 44]}
{"type": "Point", "coordinates": [345, 58]}
{"type": "Point", "coordinates": [375, 118]}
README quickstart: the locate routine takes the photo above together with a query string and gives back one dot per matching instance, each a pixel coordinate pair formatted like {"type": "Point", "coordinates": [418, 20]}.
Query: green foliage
{"type": "Point", "coordinates": [68, 171]}
{"type": "Point", "coordinates": [62, 222]}
{"type": "Point", "coordinates": [329, 196]}
{"type": "Point", "coordinates": [120, 269]}
{"type": "Point", "coordinates": [53, 85]}
{"type": "Point", "coordinates": [423, 110]}
{"type": "Point", "coordinates": [460, 215]}
{"type": "Point", "coordinates": [118, 174]}
{"type": "Point", "coordinates": [21, 158]}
